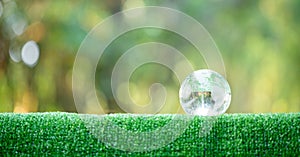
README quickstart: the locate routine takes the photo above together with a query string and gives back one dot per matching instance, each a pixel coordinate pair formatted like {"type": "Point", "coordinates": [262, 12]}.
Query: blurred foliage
{"type": "Point", "coordinates": [259, 41]}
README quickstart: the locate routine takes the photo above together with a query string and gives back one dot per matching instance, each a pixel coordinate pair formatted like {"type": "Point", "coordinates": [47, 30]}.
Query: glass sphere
{"type": "Point", "coordinates": [205, 92]}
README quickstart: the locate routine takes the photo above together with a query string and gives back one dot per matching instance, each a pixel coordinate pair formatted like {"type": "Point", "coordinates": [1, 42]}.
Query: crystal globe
{"type": "Point", "coordinates": [205, 92]}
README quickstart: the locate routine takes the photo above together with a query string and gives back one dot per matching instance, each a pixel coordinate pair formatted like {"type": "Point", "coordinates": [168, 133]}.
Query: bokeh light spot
{"type": "Point", "coordinates": [15, 52]}
{"type": "Point", "coordinates": [30, 53]}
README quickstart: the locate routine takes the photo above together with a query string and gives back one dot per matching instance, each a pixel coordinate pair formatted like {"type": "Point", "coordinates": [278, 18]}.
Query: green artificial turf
{"type": "Point", "coordinates": [58, 134]}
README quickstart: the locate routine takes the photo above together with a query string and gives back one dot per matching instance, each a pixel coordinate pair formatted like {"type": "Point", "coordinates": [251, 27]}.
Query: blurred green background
{"type": "Point", "coordinates": [259, 42]}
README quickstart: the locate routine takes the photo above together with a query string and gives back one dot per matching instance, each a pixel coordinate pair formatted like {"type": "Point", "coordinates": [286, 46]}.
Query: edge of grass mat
{"type": "Point", "coordinates": [59, 133]}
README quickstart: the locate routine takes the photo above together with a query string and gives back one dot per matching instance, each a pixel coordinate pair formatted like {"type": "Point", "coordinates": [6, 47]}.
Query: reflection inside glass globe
{"type": "Point", "coordinates": [205, 92]}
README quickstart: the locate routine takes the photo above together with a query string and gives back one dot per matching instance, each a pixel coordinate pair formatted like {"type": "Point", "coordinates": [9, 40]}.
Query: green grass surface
{"type": "Point", "coordinates": [232, 134]}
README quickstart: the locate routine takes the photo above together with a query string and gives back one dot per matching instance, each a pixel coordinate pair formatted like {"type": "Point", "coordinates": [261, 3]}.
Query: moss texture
{"type": "Point", "coordinates": [65, 134]}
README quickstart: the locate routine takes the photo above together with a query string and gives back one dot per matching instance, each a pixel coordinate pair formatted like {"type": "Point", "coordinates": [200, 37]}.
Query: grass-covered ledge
{"type": "Point", "coordinates": [65, 134]}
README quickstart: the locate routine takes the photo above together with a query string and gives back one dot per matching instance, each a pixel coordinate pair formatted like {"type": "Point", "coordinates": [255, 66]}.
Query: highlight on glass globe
{"type": "Point", "coordinates": [205, 92]}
